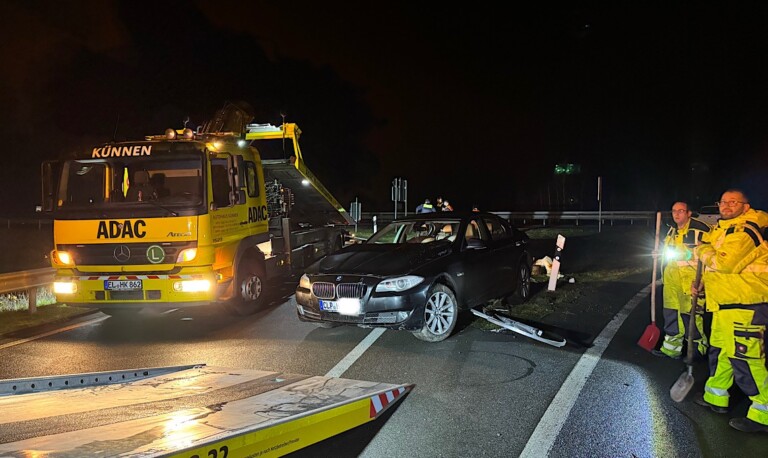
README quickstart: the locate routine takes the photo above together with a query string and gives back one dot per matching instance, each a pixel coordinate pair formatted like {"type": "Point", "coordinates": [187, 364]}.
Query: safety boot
{"type": "Point", "coordinates": [699, 399]}
{"type": "Point", "coordinates": [747, 425]}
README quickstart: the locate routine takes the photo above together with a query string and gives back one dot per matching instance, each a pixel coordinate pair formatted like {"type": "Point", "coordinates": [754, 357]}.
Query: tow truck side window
{"type": "Point", "coordinates": [82, 184]}
{"type": "Point", "coordinates": [252, 179]}
{"type": "Point", "coordinates": [220, 182]}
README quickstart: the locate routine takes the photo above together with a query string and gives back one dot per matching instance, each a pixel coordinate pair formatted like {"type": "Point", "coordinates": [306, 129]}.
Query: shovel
{"type": "Point", "coordinates": [650, 337]}
{"type": "Point", "coordinates": [684, 383]}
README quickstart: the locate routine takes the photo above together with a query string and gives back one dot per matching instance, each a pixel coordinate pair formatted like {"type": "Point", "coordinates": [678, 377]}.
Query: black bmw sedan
{"type": "Point", "coordinates": [417, 273]}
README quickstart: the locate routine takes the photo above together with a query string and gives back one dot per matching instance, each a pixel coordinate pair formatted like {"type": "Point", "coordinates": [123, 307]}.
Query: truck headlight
{"type": "Point", "coordinates": [192, 286]}
{"type": "Point", "coordinates": [187, 255]}
{"type": "Point", "coordinates": [304, 282]}
{"type": "Point", "coordinates": [64, 287]}
{"type": "Point", "coordinates": [399, 283]}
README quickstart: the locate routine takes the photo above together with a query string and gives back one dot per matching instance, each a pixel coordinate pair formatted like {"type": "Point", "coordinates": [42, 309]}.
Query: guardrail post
{"type": "Point", "coordinates": [32, 295]}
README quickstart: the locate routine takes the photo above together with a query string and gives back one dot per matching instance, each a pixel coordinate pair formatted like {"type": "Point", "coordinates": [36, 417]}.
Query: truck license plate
{"type": "Point", "coordinates": [329, 306]}
{"type": "Point", "coordinates": [122, 285]}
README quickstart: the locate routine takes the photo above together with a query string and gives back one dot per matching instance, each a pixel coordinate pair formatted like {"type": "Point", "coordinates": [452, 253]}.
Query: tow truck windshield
{"type": "Point", "coordinates": [170, 182]}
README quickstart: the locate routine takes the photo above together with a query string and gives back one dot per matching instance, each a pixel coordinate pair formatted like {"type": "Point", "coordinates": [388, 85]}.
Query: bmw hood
{"type": "Point", "coordinates": [380, 260]}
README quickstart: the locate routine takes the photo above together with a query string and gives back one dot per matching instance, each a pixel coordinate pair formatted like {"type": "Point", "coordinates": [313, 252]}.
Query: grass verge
{"type": "Point", "coordinates": [14, 311]}
{"type": "Point", "coordinates": [21, 319]}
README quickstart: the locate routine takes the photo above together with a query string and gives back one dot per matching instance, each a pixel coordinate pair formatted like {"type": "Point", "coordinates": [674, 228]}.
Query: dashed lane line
{"type": "Point", "coordinates": [355, 354]}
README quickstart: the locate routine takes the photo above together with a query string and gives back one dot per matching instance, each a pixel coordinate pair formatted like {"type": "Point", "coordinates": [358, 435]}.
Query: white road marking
{"type": "Point", "coordinates": [355, 354]}
{"type": "Point", "coordinates": [543, 438]}
{"type": "Point", "coordinates": [55, 331]}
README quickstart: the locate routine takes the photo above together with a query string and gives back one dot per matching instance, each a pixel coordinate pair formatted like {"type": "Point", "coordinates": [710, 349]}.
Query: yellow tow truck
{"type": "Point", "coordinates": [188, 218]}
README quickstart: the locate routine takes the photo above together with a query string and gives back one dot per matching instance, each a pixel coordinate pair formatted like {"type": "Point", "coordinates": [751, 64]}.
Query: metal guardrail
{"type": "Point", "coordinates": [8, 222]}
{"type": "Point", "coordinates": [548, 217]}
{"type": "Point", "coordinates": [27, 280]}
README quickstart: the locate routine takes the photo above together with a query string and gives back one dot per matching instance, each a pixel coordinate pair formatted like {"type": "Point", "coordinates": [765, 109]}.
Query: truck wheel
{"type": "Point", "coordinates": [440, 314]}
{"type": "Point", "coordinates": [249, 288]}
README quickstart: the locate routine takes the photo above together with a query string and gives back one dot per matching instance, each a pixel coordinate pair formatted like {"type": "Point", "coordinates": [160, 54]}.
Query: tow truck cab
{"type": "Point", "coordinates": [181, 219]}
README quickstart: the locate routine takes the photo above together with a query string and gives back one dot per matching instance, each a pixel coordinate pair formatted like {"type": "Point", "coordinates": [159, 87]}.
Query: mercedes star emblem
{"type": "Point", "coordinates": [122, 253]}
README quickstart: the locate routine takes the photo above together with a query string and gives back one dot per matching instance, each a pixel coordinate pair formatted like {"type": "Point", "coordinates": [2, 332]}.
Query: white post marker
{"type": "Point", "coordinates": [560, 244]}
{"type": "Point", "coordinates": [599, 204]}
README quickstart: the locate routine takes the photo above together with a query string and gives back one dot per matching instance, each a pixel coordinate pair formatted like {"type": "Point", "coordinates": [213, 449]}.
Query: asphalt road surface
{"type": "Point", "coordinates": [479, 393]}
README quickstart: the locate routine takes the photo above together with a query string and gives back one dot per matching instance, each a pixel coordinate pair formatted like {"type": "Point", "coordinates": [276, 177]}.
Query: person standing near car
{"type": "Point", "coordinates": [426, 207]}
{"type": "Point", "coordinates": [736, 283]}
{"type": "Point", "coordinates": [679, 272]}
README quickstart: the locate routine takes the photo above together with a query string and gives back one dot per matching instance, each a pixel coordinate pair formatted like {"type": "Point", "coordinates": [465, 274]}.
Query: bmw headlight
{"type": "Point", "coordinates": [304, 282]}
{"type": "Point", "coordinates": [399, 283]}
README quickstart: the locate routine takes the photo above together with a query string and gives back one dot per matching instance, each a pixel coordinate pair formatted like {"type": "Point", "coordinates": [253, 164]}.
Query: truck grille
{"type": "Point", "coordinates": [136, 253]}
{"type": "Point", "coordinates": [327, 290]}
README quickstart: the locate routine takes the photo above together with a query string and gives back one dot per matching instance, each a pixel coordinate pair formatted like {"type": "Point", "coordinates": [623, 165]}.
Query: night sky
{"type": "Point", "coordinates": [664, 100]}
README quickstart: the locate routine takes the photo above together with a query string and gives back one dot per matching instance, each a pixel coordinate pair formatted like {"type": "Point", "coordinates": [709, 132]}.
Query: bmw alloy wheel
{"type": "Point", "coordinates": [440, 313]}
{"type": "Point", "coordinates": [524, 287]}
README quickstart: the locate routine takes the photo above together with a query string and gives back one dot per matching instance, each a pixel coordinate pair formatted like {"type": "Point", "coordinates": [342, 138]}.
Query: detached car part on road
{"type": "Point", "coordinates": [418, 273]}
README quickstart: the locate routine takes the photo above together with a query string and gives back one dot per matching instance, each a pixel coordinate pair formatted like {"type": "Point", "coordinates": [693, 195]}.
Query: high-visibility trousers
{"type": "Point", "coordinates": [677, 309]}
{"type": "Point", "coordinates": [738, 354]}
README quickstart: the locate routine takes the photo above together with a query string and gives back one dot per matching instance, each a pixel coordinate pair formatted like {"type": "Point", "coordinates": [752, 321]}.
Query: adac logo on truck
{"type": "Point", "coordinates": [122, 151]}
{"type": "Point", "coordinates": [121, 230]}
{"type": "Point", "coordinates": [256, 214]}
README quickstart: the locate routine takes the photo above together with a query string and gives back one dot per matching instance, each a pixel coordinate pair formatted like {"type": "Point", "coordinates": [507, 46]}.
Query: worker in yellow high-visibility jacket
{"type": "Point", "coordinates": [679, 273]}
{"type": "Point", "coordinates": [736, 286]}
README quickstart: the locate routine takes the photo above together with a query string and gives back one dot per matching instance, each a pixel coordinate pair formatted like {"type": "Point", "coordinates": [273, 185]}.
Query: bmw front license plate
{"type": "Point", "coordinates": [122, 285]}
{"type": "Point", "coordinates": [344, 306]}
{"type": "Point", "coordinates": [329, 306]}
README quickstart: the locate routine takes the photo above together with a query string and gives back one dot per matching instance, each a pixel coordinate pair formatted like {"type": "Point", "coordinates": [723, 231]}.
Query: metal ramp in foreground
{"type": "Point", "coordinates": [185, 411]}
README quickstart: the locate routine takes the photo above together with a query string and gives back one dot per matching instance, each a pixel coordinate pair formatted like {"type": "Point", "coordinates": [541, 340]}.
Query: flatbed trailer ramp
{"type": "Point", "coordinates": [282, 160]}
{"type": "Point", "coordinates": [185, 411]}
